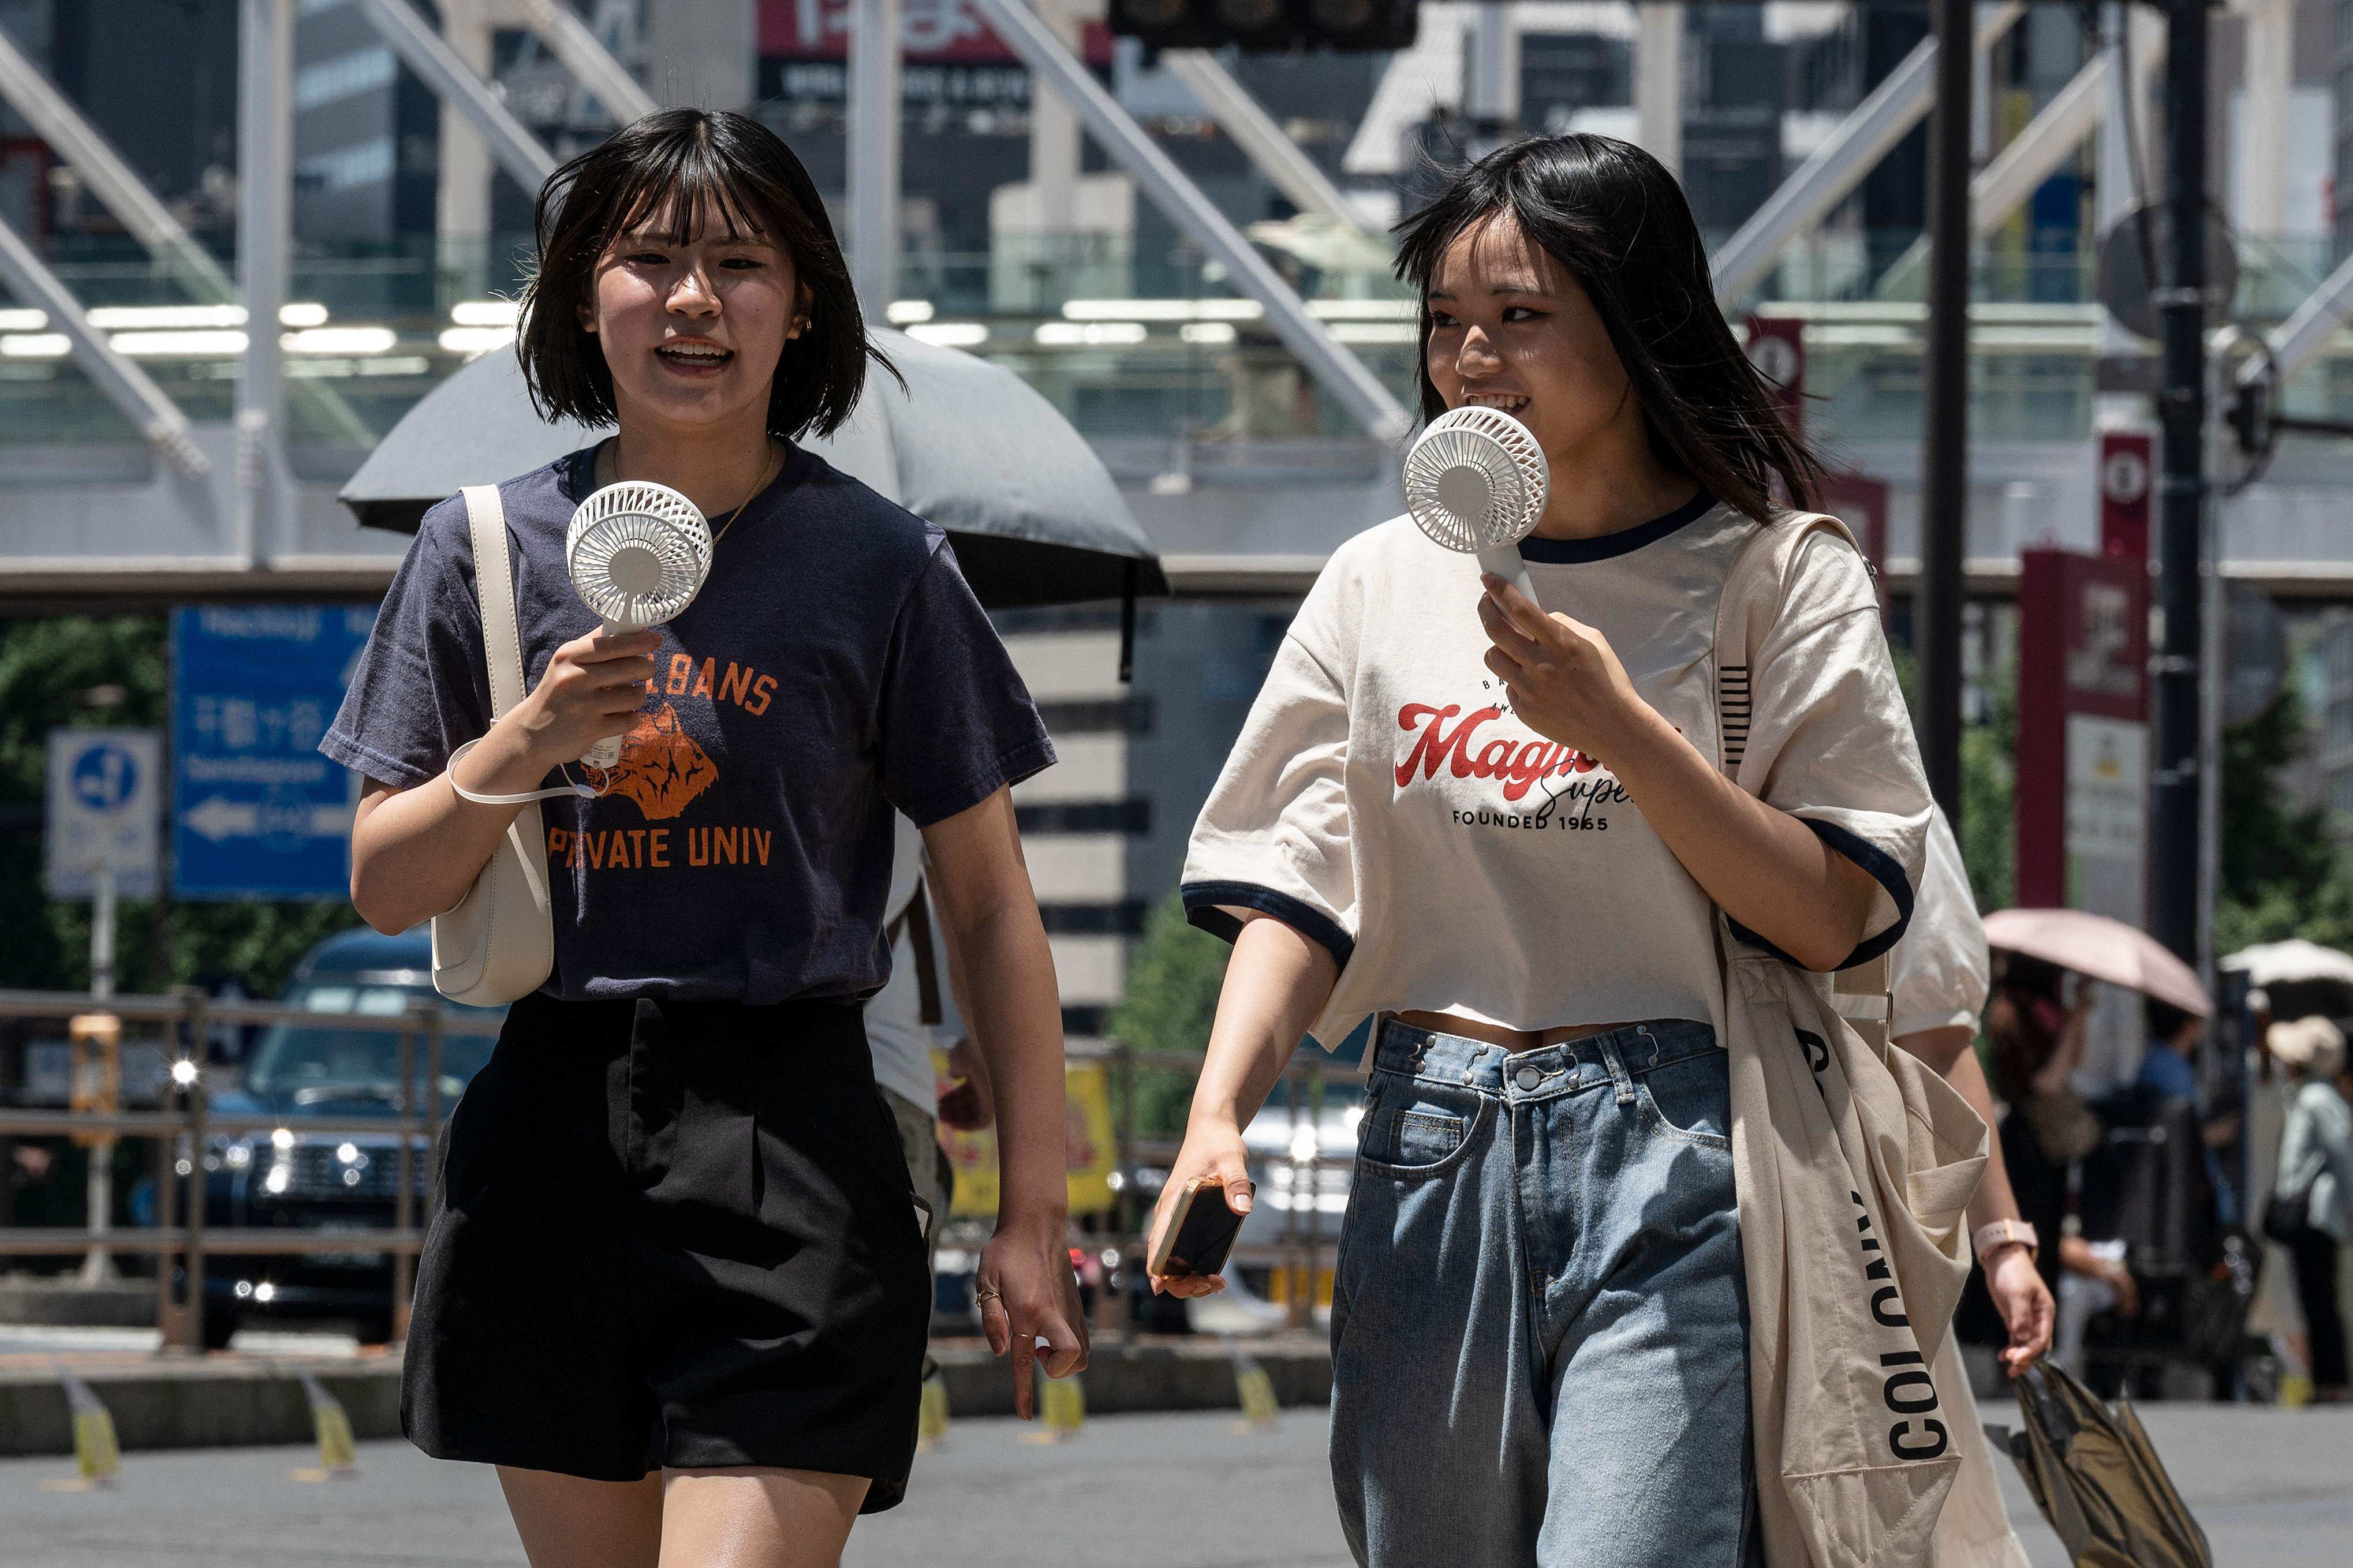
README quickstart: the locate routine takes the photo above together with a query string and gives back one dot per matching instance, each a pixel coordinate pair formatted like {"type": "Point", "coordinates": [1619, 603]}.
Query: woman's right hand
{"type": "Point", "coordinates": [1213, 1148]}
{"type": "Point", "coordinates": [590, 691]}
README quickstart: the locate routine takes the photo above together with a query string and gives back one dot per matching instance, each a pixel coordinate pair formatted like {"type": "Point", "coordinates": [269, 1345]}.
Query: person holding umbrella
{"type": "Point", "coordinates": [675, 1289]}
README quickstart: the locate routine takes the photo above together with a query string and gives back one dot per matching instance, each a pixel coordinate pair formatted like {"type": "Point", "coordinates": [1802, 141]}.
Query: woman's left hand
{"type": "Point", "coordinates": [1564, 678]}
{"type": "Point", "coordinates": [2023, 1301]}
{"type": "Point", "coordinates": [1028, 1292]}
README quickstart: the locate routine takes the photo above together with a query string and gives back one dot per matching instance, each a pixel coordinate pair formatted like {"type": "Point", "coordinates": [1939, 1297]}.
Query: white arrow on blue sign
{"type": "Point", "coordinates": [257, 813]}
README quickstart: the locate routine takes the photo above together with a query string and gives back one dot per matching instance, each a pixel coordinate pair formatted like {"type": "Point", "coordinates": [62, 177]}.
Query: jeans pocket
{"type": "Point", "coordinates": [1692, 1098]}
{"type": "Point", "coordinates": [1415, 1129]}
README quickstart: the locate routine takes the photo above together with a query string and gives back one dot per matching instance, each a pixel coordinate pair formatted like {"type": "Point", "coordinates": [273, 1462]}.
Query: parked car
{"type": "Point", "coordinates": [290, 1177]}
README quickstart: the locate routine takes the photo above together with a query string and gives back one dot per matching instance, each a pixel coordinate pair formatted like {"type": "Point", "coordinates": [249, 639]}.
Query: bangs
{"type": "Point", "coordinates": [675, 191]}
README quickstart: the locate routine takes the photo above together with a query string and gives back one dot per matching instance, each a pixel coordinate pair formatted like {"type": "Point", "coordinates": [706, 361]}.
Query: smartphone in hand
{"type": "Point", "coordinates": [1200, 1234]}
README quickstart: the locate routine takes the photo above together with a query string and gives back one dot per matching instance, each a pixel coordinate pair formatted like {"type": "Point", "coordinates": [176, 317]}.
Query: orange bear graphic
{"type": "Point", "coordinates": [660, 768]}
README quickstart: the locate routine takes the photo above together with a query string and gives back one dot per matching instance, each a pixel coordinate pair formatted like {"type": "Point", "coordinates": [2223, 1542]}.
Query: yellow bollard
{"type": "Point", "coordinates": [1066, 1407]}
{"type": "Point", "coordinates": [338, 1455]}
{"type": "Point", "coordinates": [1260, 1411]}
{"type": "Point", "coordinates": [97, 1456]}
{"type": "Point", "coordinates": [1061, 1409]}
{"type": "Point", "coordinates": [932, 1425]}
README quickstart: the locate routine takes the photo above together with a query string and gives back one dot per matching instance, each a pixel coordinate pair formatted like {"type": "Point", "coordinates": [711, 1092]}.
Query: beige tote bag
{"type": "Point", "coordinates": [1854, 1165]}
{"type": "Point", "coordinates": [498, 943]}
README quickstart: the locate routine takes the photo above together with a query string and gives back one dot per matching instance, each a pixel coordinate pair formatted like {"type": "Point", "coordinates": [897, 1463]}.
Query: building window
{"type": "Point", "coordinates": [346, 75]}
{"type": "Point", "coordinates": [366, 163]}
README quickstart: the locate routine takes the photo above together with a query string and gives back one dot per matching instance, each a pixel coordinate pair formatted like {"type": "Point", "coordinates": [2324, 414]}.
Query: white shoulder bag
{"type": "Point", "coordinates": [498, 943]}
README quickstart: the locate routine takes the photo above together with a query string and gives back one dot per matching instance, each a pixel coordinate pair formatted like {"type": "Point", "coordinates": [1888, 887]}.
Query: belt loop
{"type": "Point", "coordinates": [1616, 1066]}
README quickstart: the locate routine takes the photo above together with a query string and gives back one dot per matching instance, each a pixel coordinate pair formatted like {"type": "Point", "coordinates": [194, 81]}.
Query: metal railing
{"type": "Point", "coordinates": [1298, 1258]}
{"type": "Point", "coordinates": [181, 1240]}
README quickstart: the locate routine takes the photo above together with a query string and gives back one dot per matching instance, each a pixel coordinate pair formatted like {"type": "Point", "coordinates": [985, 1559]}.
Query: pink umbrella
{"type": "Point", "coordinates": [2102, 948]}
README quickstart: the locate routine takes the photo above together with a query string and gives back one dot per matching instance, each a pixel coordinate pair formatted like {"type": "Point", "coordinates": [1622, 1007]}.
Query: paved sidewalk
{"type": "Point", "coordinates": [2275, 1489]}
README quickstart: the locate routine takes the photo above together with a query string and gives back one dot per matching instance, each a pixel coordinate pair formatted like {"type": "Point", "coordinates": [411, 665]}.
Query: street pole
{"type": "Point", "coordinates": [1945, 411]}
{"type": "Point", "coordinates": [264, 91]}
{"type": "Point", "coordinates": [1490, 81]}
{"type": "Point", "coordinates": [873, 154]}
{"type": "Point", "coordinates": [2181, 495]}
{"type": "Point", "coordinates": [97, 1264]}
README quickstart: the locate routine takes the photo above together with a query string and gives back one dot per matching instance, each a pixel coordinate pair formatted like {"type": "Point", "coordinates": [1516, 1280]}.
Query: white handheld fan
{"type": "Point", "coordinates": [1476, 482]}
{"type": "Point", "coordinates": [637, 552]}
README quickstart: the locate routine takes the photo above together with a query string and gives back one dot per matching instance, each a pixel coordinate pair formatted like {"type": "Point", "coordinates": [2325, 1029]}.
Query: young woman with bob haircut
{"type": "Point", "coordinates": [676, 1288]}
{"type": "Point", "coordinates": [1499, 830]}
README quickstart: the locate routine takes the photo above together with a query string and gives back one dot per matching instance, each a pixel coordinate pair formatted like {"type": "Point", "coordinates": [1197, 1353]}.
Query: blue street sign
{"type": "Point", "coordinates": [104, 777]}
{"type": "Point", "coordinates": [257, 813]}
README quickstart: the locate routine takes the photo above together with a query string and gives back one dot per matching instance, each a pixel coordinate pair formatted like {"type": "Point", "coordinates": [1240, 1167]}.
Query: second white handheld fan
{"type": "Point", "coordinates": [1476, 482]}
{"type": "Point", "coordinates": [637, 552]}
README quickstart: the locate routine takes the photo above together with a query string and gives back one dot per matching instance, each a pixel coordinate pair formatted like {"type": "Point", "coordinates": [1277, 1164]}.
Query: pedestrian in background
{"type": "Point", "coordinates": [2316, 1172]}
{"type": "Point", "coordinates": [917, 1014]}
{"type": "Point", "coordinates": [1504, 833]}
{"type": "Point", "coordinates": [675, 1289]}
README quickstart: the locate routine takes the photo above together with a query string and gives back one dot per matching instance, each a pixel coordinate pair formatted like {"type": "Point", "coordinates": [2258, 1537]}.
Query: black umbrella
{"type": "Point", "coordinates": [1034, 514]}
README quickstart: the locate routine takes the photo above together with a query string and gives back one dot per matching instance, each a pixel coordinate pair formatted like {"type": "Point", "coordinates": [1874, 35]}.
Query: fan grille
{"type": "Point", "coordinates": [637, 552]}
{"type": "Point", "coordinates": [1476, 480]}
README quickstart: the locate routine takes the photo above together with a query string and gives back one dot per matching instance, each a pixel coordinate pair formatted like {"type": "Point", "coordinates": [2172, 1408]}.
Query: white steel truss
{"type": "Point", "coordinates": [1868, 134]}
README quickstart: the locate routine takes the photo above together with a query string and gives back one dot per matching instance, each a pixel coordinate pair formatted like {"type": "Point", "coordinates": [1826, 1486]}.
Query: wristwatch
{"type": "Point", "coordinates": [1991, 1237]}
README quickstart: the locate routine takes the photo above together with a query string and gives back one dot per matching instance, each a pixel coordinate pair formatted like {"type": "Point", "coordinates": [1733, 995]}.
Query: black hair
{"type": "Point", "coordinates": [2165, 1020]}
{"type": "Point", "coordinates": [703, 164]}
{"type": "Point", "coordinates": [1612, 216]}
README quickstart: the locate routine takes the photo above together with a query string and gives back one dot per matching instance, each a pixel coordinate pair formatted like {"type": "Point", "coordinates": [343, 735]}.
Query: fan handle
{"type": "Point", "coordinates": [1505, 562]}
{"type": "Point", "coordinates": [606, 753]}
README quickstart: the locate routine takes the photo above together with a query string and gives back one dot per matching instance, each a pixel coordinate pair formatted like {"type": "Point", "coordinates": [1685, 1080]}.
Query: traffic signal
{"type": "Point", "coordinates": [1345, 26]}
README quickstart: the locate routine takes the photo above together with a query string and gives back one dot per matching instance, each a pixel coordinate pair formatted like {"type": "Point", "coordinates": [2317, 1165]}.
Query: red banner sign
{"type": "Point", "coordinates": [936, 31]}
{"type": "Point", "coordinates": [2083, 709]}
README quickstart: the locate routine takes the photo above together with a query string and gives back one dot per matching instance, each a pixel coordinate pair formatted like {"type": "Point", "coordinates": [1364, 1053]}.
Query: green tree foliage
{"type": "Point", "coordinates": [2283, 873]}
{"type": "Point", "coordinates": [75, 670]}
{"type": "Point", "coordinates": [1172, 980]}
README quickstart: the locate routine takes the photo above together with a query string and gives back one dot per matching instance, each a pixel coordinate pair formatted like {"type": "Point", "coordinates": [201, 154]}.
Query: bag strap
{"type": "Point", "coordinates": [1740, 626]}
{"type": "Point", "coordinates": [486, 518]}
{"type": "Point", "coordinates": [494, 591]}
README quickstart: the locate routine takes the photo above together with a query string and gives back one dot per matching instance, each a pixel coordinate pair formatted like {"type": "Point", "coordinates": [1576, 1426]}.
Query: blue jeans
{"type": "Point", "coordinates": [1539, 1326]}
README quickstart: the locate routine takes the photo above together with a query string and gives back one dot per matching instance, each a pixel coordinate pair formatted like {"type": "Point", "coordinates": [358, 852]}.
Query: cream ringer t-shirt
{"type": "Point", "coordinates": [1382, 800]}
{"type": "Point", "coordinates": [1941, 971]}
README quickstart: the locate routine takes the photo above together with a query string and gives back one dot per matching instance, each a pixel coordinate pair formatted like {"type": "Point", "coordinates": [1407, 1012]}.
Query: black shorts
{"type": "Point", "coordinates": [673, 1234]}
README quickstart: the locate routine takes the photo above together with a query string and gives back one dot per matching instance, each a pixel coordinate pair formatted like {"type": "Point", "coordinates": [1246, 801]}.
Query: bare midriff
{"type": "Point", "coordinates": [1496, 1035]}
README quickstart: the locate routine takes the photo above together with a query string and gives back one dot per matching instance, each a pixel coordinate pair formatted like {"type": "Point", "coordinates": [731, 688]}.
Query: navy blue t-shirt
{"type": "Point", "coordinates": [835, 666]}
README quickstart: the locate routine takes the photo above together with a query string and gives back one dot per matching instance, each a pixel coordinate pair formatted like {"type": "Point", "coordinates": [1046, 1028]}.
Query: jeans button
{"type": "Point", "coordinates": [1528, 1077]}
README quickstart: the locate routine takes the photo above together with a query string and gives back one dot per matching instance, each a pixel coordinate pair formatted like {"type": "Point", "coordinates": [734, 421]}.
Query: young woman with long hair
{"type": "Point", "coordinates": [1501, 829]}
{"type": "Point", "coordinates": [676, 1288]}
